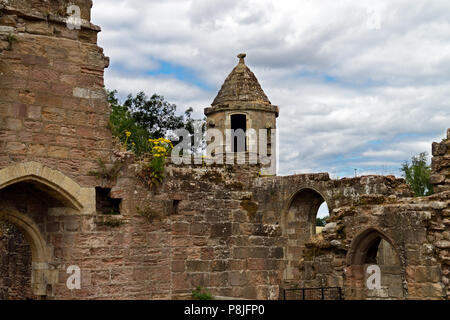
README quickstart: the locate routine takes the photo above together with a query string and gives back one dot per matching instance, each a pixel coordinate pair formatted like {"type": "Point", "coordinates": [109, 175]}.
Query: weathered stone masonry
{"type": "Point", "coordinates": [226, 228]}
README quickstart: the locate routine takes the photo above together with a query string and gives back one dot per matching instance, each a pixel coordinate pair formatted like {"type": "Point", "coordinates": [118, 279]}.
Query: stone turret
{"type": "Point", "coordinates": [242, 104]}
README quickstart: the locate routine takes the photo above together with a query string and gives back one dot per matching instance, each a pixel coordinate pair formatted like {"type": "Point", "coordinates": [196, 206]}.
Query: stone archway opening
{"type": "Point", "coordinates": [35, 202]}
{"type": "Point", "coordinates": [299, 226]}
{"type": "Point", "coordinates": [372, 252]}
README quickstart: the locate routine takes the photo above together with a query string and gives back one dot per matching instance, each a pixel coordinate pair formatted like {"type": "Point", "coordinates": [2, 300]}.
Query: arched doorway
{"type": "Point", "coordinates": [28, 192]}
{"type": "Point", "coordinates": [372, 248]}
{"type": "Point", "coordinates": [299, 226]}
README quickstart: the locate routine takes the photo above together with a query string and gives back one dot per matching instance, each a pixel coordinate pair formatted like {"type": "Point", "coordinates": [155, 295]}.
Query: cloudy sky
{"type": "Point", "coordinates": [360, 84]}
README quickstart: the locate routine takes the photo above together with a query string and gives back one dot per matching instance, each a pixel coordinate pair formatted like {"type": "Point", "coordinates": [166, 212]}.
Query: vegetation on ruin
{"type": "Point", "coordinates": [11, 39]}
{"type": "Point", "coordinates": [108, 173]}
{"type": "Point", "coordinates": [417, 175]}
{"type": "Point", "coordinates": [152, 168]}
{"type": "Point", "coordinates": [146, 118]}
{"type": "Point", "coordinates": [112, 223]}
{"type": "Point", "coordinates": [201, 294]}
{"type": "Point", "coordinates": [142, 125]}
{"type": "Point", "coordinates": [150, 214]}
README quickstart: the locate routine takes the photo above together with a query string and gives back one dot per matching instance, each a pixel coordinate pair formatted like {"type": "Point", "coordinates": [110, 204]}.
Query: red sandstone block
{"type": "Point", "coordinates": [43, 138]}
{"type": "Point", "coordinates": [43, 74]}
{"type": "Point", "coordinates": [140, 274]}
{"type": "Point", "coordinates": [180, 281]}
{"type": "Point", "coordinates": [34, 60]}
{"type": "Point", "coordinates": [34, 112]}
{"type": "Point", "coordinates": [6, 109]}
{"type": "Point", "coordinates": [70, 167]}
{"type": "Point", "coordinates": [13, 124]}
{"type": "Point", "coordinates": [32, 126]}
{"type": "Point", "coordinates": [78, 118]}
{"type": "Point", "coordinates": [19, 110]}
{"type": "Point", "coordinates": [99, 277]}
{"type": "Point", "coordinates": [85, 132]}
{"type": "Point", "coordinates": [25, 136]}
{"type": "Point", "coordinates": [181, 241]}
{"type": "Point", "coordinates": [62, 89]}
{"type": "Point", "coordinates": [16, 148]}
{"type": "Point", "coordinates": [9, 95]}
{"type": "Point", "coordinates": [8, 135]}
{"type": "Point", "coordinates": [77, 154]}
{"type": "Point", "coordinates": [66, 141]}
{"type": "Point", "coordinates": [180, 228]}
{"type": "Point", "coordinates": [26, 96]}
{"type": "Point", "coordinates": [37, 150]}
{"type": "Point", "coordinates": [53, 114]}
{"type": "Point", "coordinates": [207, 253]}
{"type": "Point", "coordinates": [123, 274]}
{"type": "Point", "coordinates": [52, 128]}
{"type": "Point", "coordinates": [58, 152]}
{"type": "Point", "coordinates": [256, 264]}
{"type": "Point", "coordinates": [66, 67]}
{"type": "Point", "coordinates": [66, 130]}
{"type": "Point", "coordinates": [178, 266]}
{"type": "Point", "coordinates": [102, 134]}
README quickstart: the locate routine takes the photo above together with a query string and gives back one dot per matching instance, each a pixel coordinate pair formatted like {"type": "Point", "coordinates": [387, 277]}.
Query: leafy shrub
{"type": "Point", "coordinates": [201, 294]}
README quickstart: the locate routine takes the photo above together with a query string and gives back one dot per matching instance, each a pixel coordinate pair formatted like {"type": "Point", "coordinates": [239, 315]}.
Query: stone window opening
{"type": "Point", "coordinates": [238, 123]}
{"type": "Point", "coordinates": [175, 206]}
{"type": "Point", "coordinates": [105, 204]}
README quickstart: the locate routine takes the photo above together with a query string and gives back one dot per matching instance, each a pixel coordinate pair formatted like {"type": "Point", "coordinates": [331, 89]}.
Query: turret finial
{"type": "Point", "coordinates": [241, 57]}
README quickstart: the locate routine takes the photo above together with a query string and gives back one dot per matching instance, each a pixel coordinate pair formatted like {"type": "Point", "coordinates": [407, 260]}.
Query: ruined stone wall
{"type": "Point", "coordinates": [224, 228]}
{"type": "Point", "coordinates": [440, 165]}
{"type": "Point", "coordinates": [215, 237]}
{"type": "Point", "coordinates": [416, 228]}
{"type": "Point", "coordinates": [53, 106]}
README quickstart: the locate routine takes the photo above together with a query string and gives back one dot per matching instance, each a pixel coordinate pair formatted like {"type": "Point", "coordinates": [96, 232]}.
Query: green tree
{"type": "Point", "coordinates": [321, 222]}
{"type": "Point", "coordinates": [156, 114]}
{"type": "Point", "coordinates": [417, 175]}
{"type": "Point", "coordinates": [146, 118]}
{"type": "Point", "coordinates": [121, 120]}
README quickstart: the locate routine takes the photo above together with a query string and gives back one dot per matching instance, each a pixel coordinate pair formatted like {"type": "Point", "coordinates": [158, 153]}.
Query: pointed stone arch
{"type": "Point", "coordinates": [59, 185]}
{"type": "Point", "coordinates": [369, 247]}
{"type": "Point", "coordinates": [75, 199]}
{"type": "Point", "coordinates": [363, 242]}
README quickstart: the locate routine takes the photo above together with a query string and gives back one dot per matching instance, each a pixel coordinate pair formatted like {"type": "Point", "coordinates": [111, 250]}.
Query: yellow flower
{"type": "Point", "coordinates": [128, 133]}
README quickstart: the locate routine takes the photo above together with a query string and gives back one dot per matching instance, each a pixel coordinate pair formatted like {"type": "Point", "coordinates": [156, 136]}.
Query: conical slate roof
{"type": "Point", "coordinates": [241, 86]}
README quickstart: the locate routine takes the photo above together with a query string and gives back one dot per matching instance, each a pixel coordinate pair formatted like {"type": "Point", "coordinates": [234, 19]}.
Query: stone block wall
{"type": "Point", "coordinates": [53, 106]}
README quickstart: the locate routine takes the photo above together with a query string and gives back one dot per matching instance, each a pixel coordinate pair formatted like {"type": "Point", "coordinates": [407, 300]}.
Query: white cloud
{"type": "Point", "coordinates": [341, 81]}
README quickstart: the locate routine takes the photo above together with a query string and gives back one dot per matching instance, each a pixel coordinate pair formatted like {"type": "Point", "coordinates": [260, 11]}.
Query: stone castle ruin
{"type": "Point", "coordinates": [222, 227]}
